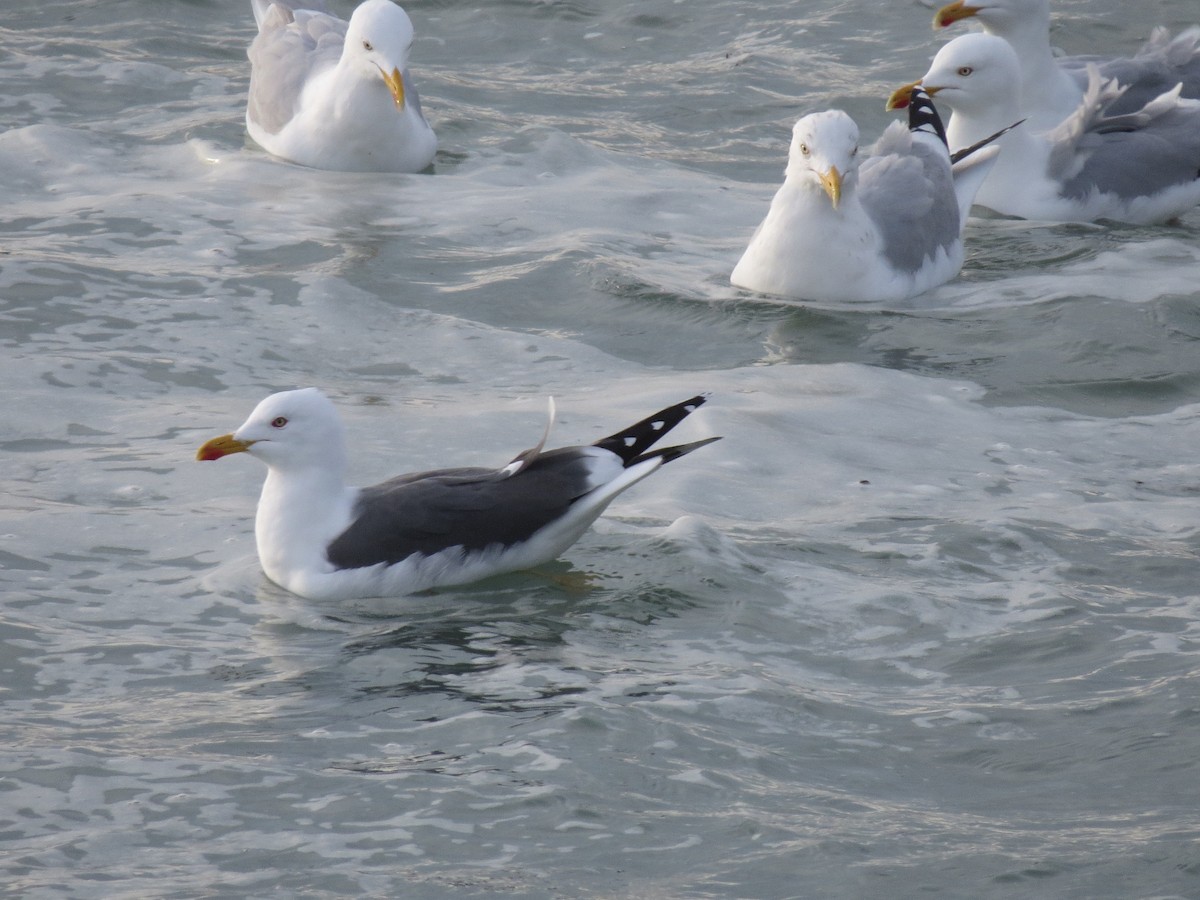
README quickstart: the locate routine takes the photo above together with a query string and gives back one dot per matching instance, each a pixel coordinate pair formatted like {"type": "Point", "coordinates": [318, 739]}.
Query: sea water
{"type": "Point", "coordinates": [923, 623]}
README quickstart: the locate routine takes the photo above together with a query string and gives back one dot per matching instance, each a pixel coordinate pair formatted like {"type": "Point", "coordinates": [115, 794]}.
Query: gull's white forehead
{"type": "Point", "coordinates": [831, 130]}
{"type": "Point", "coordinates": [290, 403]}
{"type": "Point", "coordinates": [973, 50]}
{"type": "Point", "coordinates": [383, 21]}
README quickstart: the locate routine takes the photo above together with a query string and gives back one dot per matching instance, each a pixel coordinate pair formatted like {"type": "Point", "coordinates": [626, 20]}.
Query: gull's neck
{"type": "Point", "coordinates": [1048, 93]}
{"type": "Point", "coordinates": [302, 508]}
{"type": "Point", "coordinates": [966, 127]}
{"type": "Point", "coordinates": [355, 90]}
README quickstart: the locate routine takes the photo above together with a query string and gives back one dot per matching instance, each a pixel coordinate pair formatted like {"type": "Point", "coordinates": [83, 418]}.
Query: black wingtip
{"type": "Point", "coordinates": [670, 453]}
{"type": "Point", "coordinates": [630, 443]}
{"type": "Point", "coordinates": [923, 115]}
{"type": "Point", "coordinates": [962, 154]}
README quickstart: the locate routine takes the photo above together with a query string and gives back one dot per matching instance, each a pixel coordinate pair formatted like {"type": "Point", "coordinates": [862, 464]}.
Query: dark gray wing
{"type": "Point", "coordinates": [907, 189]}
{"type": "Point", "coordinates": [471, 508]}
{"type": "Point", "coordinates": [291, 43]}
{"type": "Point", "coordinates": [474, 508]}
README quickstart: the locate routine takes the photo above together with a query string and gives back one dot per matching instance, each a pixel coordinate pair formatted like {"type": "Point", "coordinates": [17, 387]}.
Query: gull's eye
{"type": "Point", "coordinates": [854, 152]}
{"type": "Point", "coordinates": [965, 71]}
{"type": "Point", "coordinates": [367, 46]}
{"type": "Point", "coordinates": [804, 149]}
{"type": "Point", "coordinates": [278, 422]}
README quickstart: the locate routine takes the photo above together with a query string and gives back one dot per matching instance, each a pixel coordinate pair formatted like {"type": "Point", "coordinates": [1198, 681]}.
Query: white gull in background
{"type": "Point", "coordinates": [886, 228]}
{"type": "Point", "coordinates": [1052, 87]}
{"type": "Point", "coordinates": [321, 539]}
{"type": "Point", "coordinates": [337, 95]}
{"type": "Point", "coordinates": [1139, 167]}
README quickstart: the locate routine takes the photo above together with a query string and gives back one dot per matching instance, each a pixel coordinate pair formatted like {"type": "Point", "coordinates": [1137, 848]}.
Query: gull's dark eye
{"type": "Point", "coordinates": [278, 422]}
{"type": "Point", "coordinates": [854, 152]}
{"type": "Point", "coordinates": [804, 149]}
{"type": "Point", "coordinates": [965, 71]}
{"type": "Point", "coordinates": [367, 46]}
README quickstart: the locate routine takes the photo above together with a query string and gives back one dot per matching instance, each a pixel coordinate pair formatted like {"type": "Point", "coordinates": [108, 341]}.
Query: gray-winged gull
{"type": "Point", "coordinates": [337, 95]}
{"type": "Point", "coordinates": [1137, 167]}
{"type": "Point", "coordinates": [321, 539]}
{"type": "Point", "coordinates": [886, 228]}
{"type": "Point", "coordinates": [1052, 87]}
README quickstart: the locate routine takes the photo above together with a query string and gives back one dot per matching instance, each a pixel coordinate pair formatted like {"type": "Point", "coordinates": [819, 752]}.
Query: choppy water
{"type": "Point", "coordinates": [924, 623]}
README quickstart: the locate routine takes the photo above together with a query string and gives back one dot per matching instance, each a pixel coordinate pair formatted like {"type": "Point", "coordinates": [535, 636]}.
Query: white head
{"type": "Point", "coordinates": [976, 74]}
{"type": "Point", "coordinates": [824, 153]}
{"type": "Point", "coordinates": [288, 430]}
{"type": "Point", "coordinates": [378, 39]}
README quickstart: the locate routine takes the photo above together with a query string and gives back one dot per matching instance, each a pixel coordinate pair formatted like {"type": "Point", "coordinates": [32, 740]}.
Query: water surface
{"type": "Point", "coordinates": [924, 623]}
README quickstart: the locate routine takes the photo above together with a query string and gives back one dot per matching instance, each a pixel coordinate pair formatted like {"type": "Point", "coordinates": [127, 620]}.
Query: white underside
{"type": "Point", "coordinates": [808, 250]}
{"type": "Point", "coordinates": [1015, 192]}
{"type": "Point", "coordinates": [1018, 186]}
{"type": "Point", "coordinates": [352, 128]}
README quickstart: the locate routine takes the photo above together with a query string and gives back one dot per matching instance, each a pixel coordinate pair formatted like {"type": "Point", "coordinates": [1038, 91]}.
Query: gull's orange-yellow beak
{"type": "Point", "coordinates": [395, 83]}
{"type": "Point", "coordinates": [832, 182]}
{"type": "Point", "coordinates": [222, 446]}
{"type": "Point", "coordinates": [902, 96]}
{"type": "Point", "coordinates": [953, 12]}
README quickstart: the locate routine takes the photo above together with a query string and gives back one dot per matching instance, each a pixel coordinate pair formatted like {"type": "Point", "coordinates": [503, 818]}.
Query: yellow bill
{"type": "Point", "coordinates": [901, 96]}
{"type": "Point", "coordinates": [222, 446]}
{"type": "Point", "coordinates": [953, 12]}
{"type": "Point", "coordinates": [395, 83]}
{"type": "Point", "coordinates": [832, 182]}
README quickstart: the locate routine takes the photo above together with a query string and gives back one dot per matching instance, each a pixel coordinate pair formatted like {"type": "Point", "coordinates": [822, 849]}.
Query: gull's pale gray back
{"type": "Point", "coordinates": [1093, 150]}
{"type": "Point", "coordinates": [293, 40]}
{"type": "Point", "coordinates": [1161, 64]}
{"type": "Point", "coordinates": [907, 189]}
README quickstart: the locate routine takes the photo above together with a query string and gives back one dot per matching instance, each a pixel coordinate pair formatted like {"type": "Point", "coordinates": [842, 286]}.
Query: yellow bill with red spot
{"type": "Point", "coordinates": [222, 446]}
{"type": "Point", "coordinates": [954, 12]}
